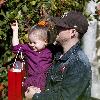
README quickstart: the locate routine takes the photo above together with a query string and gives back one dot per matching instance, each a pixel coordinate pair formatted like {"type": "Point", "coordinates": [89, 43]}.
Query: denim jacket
{"type": "Point", "coordinates": [69, 78]}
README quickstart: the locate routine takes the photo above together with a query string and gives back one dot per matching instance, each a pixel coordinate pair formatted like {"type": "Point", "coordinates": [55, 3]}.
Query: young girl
{"type": "Point", "coordinates": [37, 56]}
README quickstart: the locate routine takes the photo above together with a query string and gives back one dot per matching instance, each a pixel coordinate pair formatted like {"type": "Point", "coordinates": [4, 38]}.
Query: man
{"type": "Point", "coordinates": [70, 76]}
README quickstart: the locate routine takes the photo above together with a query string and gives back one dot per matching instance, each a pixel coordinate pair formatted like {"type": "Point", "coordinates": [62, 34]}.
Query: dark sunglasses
{"type": "Point", "coordinates": [59, 29]}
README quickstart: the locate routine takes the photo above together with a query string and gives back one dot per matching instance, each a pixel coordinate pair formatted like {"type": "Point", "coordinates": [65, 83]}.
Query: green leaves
{"type": "Point", "coordinates": [33, 3]}
{"type": "Point", "coordinates": [1, 32]}
{"type": "Point", "coordinates": [29, 12]}
{"type": "Point", "coordinates": [24, 8]}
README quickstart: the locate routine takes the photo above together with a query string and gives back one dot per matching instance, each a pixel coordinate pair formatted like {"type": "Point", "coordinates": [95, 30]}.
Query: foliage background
{"type": "Point", "coordinates": [27, 12]}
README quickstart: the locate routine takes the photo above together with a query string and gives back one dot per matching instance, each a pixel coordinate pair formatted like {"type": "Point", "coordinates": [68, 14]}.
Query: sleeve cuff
{"type": "Point", "coordinates": [36, 96]}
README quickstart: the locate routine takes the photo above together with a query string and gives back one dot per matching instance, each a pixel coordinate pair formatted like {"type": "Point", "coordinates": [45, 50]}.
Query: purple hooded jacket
{"type": "Point", "coordinates": [37, 63]}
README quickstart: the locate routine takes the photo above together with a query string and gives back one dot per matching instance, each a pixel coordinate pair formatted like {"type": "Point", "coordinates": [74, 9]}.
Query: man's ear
{"type": "Point", "coordinates": [73, 33]}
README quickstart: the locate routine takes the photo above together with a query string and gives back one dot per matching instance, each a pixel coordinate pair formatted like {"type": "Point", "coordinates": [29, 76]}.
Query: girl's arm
{"type": "Point", "coordinates": [15, 40]}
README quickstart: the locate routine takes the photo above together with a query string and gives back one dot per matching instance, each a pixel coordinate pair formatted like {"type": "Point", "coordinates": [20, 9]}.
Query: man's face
{"type": "Point", "coordinates": [63, 36]}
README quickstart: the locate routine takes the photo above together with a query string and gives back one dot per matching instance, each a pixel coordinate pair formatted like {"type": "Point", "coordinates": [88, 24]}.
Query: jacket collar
{"type": "Point", "coordinates": [70, 52]}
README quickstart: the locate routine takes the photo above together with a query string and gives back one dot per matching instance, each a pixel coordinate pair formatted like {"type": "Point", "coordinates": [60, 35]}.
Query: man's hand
{"type": "Point", "coordinates": [31, 91]}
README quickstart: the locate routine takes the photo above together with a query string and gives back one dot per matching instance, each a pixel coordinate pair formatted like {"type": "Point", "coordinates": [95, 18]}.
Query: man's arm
{"type": "Point", "coordinates": [71, 87]}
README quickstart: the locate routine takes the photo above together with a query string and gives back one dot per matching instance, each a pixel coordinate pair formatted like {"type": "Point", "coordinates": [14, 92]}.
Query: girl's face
{"type": "Point", "coordinates": [36, 42]}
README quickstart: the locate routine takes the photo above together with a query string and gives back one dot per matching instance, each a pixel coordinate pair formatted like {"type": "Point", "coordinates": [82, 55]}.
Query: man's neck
{"type": "Point", "coordinates": [66, 46]}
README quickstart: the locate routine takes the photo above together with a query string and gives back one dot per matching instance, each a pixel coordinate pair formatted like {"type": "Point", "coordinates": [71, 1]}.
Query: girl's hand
{"type": "Point", "coordinates": [15, 39]}
{"type": "Point", "coordinates": [57, 38]}
{"type": "Point", "coordinates": [31, 91]}
{"type": "Point", "coordinates": [14, 26]}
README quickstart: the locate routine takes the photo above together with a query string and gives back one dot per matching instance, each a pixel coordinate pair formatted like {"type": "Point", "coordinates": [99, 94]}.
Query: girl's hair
{"type": "Point", "coordinates": [40, 31]}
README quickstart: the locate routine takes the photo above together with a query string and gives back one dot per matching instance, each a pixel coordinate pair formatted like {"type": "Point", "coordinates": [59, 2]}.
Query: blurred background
{"type": "Point", "coordinates": [30, 12]}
